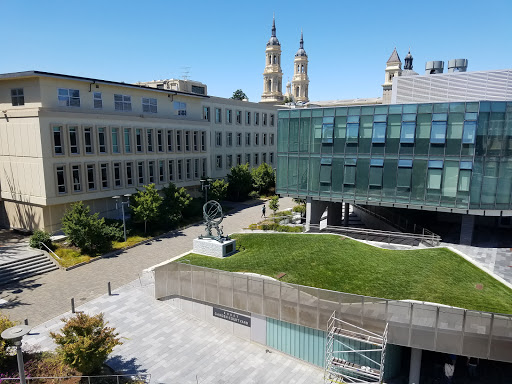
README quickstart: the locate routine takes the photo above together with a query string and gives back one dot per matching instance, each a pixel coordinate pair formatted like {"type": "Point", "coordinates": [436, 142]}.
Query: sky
{"type": "Point", "coordinates": [222, 43]}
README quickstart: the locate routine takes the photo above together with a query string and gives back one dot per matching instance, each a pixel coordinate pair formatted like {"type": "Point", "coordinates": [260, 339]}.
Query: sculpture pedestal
{"type": "Point", "coordinates": [210, 247]}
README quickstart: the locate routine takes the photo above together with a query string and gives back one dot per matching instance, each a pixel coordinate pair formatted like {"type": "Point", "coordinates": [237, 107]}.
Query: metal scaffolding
{"type": "Point", "coordinates": [342, 370]}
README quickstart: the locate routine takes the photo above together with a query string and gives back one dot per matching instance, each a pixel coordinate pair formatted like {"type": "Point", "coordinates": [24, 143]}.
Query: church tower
{"type": "Point", "coordinates": [300, 82]}
{"type": "Point", "coordinates": [393, 68]}
{"type": "Point", "coordinates": [272, 76]}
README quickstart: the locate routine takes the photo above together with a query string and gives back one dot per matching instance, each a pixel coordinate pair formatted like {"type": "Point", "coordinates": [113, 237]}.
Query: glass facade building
{"type": "Point", "coordinates": [454, 157]}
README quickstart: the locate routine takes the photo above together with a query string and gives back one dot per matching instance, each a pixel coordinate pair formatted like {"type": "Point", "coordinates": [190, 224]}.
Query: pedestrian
{"type": "Point", "coordinates": [449, 369]}
{"type": "Point", "coordinates": [472, 366]}
{"type": "Point", "coordinates": [263, 211]}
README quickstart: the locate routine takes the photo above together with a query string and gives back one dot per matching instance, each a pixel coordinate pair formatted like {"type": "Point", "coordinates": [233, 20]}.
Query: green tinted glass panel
{"type": "Point", "coordinates": [464, 179]}
{"type": "Point", "coordinates": [292, 173]}
{"type": "Point", "coordinates": [376, 176]}
{"type": "Point", "coordinates": [410, 108]}
{"type": "Point", "coordinates": [325, 174]}
{"type": "Point", "coordinates": [450, 176]}
{"type": "Point", "coordinates": [352, 132]}
{"type": "Point", "coordinates": [469, 133]}
{"type": "Point", "coordinates": [350, 175]}
{"type": "Point", "coordinates": [408, 131]}
{"type": "Point", "coordinates": [293, 138]}
{"type": "Point", "coordinates": [434, 178]}
{"type": "Point", "coordinates": [304, 134]}
{"type": "Point", "coordinates": [404, 177]}
{"type": "Point", "coordinates": [303, 174]}
{"type": "Point", "coordinates": [282, 134]}
{"type": "Point", "coordinates": [341, 111]}
{"type": "Point", "coordinates": [438, 132]}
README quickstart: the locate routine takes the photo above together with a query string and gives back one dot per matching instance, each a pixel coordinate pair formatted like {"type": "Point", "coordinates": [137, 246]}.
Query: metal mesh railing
{"type": "Point", "coordinates": [101, 379]}
{"type": "Point", "coordinates": [426, 326]}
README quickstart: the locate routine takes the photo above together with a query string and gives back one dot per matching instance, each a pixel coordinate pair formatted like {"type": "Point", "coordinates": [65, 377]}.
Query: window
{"type": "Point", "coordinates": [379, 133]}
{"type": "Point", "coordinates": [69, 97]}
{"type": "Point", "coordinates": [229, 139]}
{"type": "Point", "coordinates": [138, 140]}
{"type": "Point", "coordinates": [196, 168]}
{"type": "Point", "coordinates": [179, 170]}
{"type": "Point", "coordinates": [404, 174]}
{"type": "Point", "coordinates": [408, 132]}
{"type": "Point", "coordinates": [115, 140]}
{"type": "Point", "coordinates": [375, 179]}
{"type": "Point", "coordinates": [149, 137]}
{"type": "Point", "coordinates": [327, 130]}
{"type": "Point", "coordinates": [264, 158]}
{"type": "Point", "coordinates": [187, 141]}
{"type": "Point", "coordinates": [352, 132]}
{"type": "Point", "coordinates": [248, 158]}
{"type": "Point", "coordinates": [17, 97]}
{"type": "Point", "coordinates": [129, 173]}
{"type": "Point", "coordinates": [256, 159]}
{"type": "Point", "coordinates": [73, 140]}
{"type": "Point", "coordinates": [170, 170]}
{"type": "Point", "coordinates": [203, 168]}
{"type": "Point", "coordinates": [465, 176]}
{"type": "Point", "coordinates": [325, 171]}
{"type": "Point", "coordinates": [159, 140]}
{"type": "Point", "coordinates": [256, 118]}
{"type": "Point", "coordinates": [127, 140]}
{"type": "Point", "coordinates": [238, 159]}
{"type": "Point", "coordinates": [180, 109]}
{"type": "Point", "coordinates": [469, 132]}
{"type": "Point", "coordinates": [123, 103]}
{"type": "Point", "coordinates": [140, 173]}
{"type": "Point", "coordinates": [264, 119]}
{"type": "Point", "coordinates": [61, 178]}
{"type": "Point", "coordinates": [438, 132]}
{"type": "Point", "coordinates": [102, 140]}
{"type": "Point", "coordinates": [170, 141]}
{"type": "Point", "coordinates": [256, 139]}
{"type": "Point", "coordinates": [178, 140]}
{"type": "Point", "coordinates": [218, 115]}
{"type": "Point", "coordinates": [89, 149]}
{"type": "Point", "coordinates": [75, 178]}
{"type": "Point", "coordinates": [435, 171]}
{"type": "Point", "coordinates": [271, 120]}
{"type": "Point", "coordinates": [238, 139]}
{"type": "Point", "coordinates": [239, 117]}
{"type": "Point", "coordinates": [117, 175]}
{"type": "Point", "coordinates": [104, 175]}
{"type": "Point", "coordinates": [247, 139]}
{"type": "Point", "coordinates": [271, 155]}
{"type": "Point", "coordinates": [218, 162]}
{"type": "Point", "coordinates": [188, 169]}
{"type": "Point", "coordinates": [206, 113]}
{"type": "Point", "coordinates": [151, 172]}
{"type": "Point", "coordinates": [229, 161]}
{"type": "Point", "coordinates": [198, 89]}
{"type": "Point", "coordinates": [247, 118]}
{"type": "Point", "coordinates": [350, 172]}
{"type": "Point", "coordinates": [229, 116]}
{"type": "Point", "coordinates": [271, 139]}
{"type": "Point", "coordinates": [91, 177]}
{"type": "Point", "coordinates": [195, 141]}
{"type": "Point", "coordinates": [97, 100]}
{"type": "Point", "coordinates": [161, 171]}
{"type": "Point", "coordinates": [218, 139]}
{"type": "Point", "coordinates": [149, 105]}
{"type": "Point", "coordinates": [58, 148]}
{"type": "Point", "coordinates": [203, 141]}
{"type": "Point", "coordinates": [264, 139]}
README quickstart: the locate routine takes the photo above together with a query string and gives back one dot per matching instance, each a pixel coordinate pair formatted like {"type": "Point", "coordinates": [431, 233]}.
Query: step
{"type": "Point", "coordinates": [4, 281]}
{"type": "Point", "coordinates": [23, 260]}
{"type": "Point", "coordinates": [38, 269]}
{"type": "Point", "coordinates": [26, 267]}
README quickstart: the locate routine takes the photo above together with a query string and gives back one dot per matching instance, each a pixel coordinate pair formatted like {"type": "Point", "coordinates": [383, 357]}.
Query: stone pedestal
{"type": "Point", "coordinates": [210, 247]}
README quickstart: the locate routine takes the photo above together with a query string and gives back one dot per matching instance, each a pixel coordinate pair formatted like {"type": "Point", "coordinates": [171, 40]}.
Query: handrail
{"type": "Point", "coordinates": [49, 250]}
{"type": "Point", "coordinates": [146, 377]}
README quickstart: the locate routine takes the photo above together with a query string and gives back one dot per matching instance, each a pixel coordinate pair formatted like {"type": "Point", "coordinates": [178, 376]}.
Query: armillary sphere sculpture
{"type": "Point", "coordinates": [212, 213]}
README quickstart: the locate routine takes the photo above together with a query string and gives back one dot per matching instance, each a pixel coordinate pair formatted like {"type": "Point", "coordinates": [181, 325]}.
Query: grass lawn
{"type": "Point", "coordinates": [341, 264]}
{"type": "Point", "coordinates": [70, 256]}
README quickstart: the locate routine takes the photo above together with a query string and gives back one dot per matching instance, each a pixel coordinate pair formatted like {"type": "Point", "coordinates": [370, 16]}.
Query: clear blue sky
{"type": "Point", "coordinates": [223, 42]}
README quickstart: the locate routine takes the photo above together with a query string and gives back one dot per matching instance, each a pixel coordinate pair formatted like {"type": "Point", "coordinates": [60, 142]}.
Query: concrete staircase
{"type": "Point", "coordinates": [22, 268]}
{"type": "Point", "coordinates": [353, 219]}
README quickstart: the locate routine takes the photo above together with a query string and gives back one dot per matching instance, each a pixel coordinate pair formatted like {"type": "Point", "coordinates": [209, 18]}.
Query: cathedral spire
{"type": "Point", "coordinates": [274, 25]}
{"type": "Point", "coordinates": [301, 39]}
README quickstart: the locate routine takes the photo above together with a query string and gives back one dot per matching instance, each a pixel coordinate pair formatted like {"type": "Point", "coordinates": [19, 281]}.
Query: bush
{"type": "Point", "coordinates": [40, 237]}
{"type": "Point", "coordinates": [254, 195]}
{"type": "Point", "coordinates": [218, 190]}
{"type": "Point", "coordinates": [47, 364]}
{"type": "Point", "coordinates": [276, 227]}
{"type": "Point", "coordinates": [5, 323]}
{"type": "Point", "coordinates": [274, 204]}
{"type": "Point", "coordinates": [174, 204]}
{"type": "Point", "coordinates": [146, 205]}
{"type": "Point", "coordinates": [300, 209]}
{"type": "Point", "coordinates": [85, 342]}
{"type": "Point", "coordinates": [239, 182]}
{"type": "Point", "coordinates": [264, 178]}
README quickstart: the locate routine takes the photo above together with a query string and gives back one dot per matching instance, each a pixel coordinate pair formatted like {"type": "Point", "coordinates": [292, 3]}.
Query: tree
{"type": "Point", "coordinates": [39, 237]}
{"type": "Point", "coordinates": [239, 95]}
{"type": "Point", "coordinates": [146, 204]}
{"type": "Point", "coordinates": [274, 203]}
{"type": "Point", "coordinates": [88, 232]}
{"type": "Point", "coordinates": [85, 342]}
{"type": "Point", "coordinates": [218, 190]}
{"type": "Point", "coordinates": [264, 178]}
{"type": "Point", "coordinates": [240, 182]}
{"type": "Point", "coordinates": [175, 200]}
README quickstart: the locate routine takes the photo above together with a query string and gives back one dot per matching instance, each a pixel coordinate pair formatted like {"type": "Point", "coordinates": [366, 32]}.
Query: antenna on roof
{"type": "Point", "coordinates": [186, 73]}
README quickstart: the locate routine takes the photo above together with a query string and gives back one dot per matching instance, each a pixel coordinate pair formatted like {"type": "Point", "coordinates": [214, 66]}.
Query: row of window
{"type": "Point", "coordinates": [238, 139]}
{"type": "Point", "coordinates": [92, 177]}
{"type": "Point", "coordinates": [248, 117]}
{"type": "Point", "coordinates": [89, 140]}
{"type": "Point", "coordinates": [239, 160]}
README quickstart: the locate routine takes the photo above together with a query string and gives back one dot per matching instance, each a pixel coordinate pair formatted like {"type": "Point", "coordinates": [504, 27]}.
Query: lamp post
{"type": "Point", "coordinates": [119, 199]}
{"type": "Point", "coordinates": [15, 334]}
{"type": "Point", "coordinates": [205, 184]}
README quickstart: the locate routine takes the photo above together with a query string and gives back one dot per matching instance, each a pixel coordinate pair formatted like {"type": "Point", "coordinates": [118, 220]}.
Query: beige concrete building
{"type": "Point", "coordinates": [300, 82]}
{"type": "Point", "coordinates": [393, 69]}
{"type": "Point", "coordinates": [66, 138]}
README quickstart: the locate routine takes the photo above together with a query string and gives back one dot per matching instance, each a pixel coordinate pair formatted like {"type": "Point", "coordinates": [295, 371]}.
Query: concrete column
{"type": "Point", "coordinates": [345, 214]}
{"type": "Point", "coordinates": [314, 212]}
{"type": "Point", "coordinates": [415, 367]}
{"type": "Point", "coordinates": [467, 226]}
{"type": "Point", "coordinates": [334, 213]}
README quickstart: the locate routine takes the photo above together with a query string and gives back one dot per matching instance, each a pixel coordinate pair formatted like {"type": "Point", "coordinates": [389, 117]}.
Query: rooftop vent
{"type": "Point", "coordinates": [457, 65]}
{"type": "Point", "coordinates": [433, 67]}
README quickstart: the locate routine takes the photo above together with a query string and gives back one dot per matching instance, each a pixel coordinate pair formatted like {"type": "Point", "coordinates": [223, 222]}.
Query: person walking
{"type": "Point", "coordinates": [263, 211]}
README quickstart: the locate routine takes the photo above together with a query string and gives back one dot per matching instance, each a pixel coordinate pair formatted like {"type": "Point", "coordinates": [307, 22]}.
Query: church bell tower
{"type": "Point", "coordinates": [272, 75]}
{"type": "Point", "coordinates": [300, 82]}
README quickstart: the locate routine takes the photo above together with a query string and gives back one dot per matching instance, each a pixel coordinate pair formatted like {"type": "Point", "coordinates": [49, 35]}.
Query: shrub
{"type": "Point", "coordinates": [299, 209]}
{"type": "Point", "coordinates": [175, 202]}
{"type": "Point", "coordinates": [240, 182]}
{"type": "Point", "coordinates": [264, 178]}
{"type": "Point", "coordinates": [274, 204]}
{"type": "Point", "coordinates": [85, 342]}
{"type": "Point", "coordinates": [40, 237]}
{"type": "Point", "coordinates": [47, 364]}
{"type": "Point", "coordinates": [254, 195]}
{"type": "Point", "coordinates": [218, 190]}
{"type": "Point", "coordinates": [5, 323]}
{"type": "Point", "coordinates": [146, 205]}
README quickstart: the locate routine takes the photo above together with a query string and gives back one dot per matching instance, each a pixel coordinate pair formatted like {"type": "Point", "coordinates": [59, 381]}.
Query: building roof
{"type": "Point", "coordinates": [301, 51]}
{"type": "Point", "coordinates": [394, 58]}
{"type": "Point", "coordinates": [17, 75]}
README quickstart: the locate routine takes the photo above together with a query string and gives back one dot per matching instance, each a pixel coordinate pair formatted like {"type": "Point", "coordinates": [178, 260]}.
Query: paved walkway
{"type": "Point", "coordinates": [14, 246]}
{"type": "Point", "coordinates": [43, 297]}
{"type": "Point", "coordinates": [175, 347]}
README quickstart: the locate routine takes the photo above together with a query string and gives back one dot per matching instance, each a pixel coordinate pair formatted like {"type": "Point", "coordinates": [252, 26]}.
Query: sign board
{"type": "Point", "coordinates": [231, 316]}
